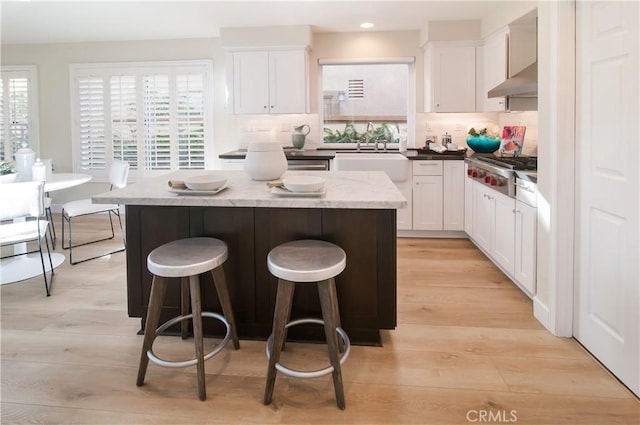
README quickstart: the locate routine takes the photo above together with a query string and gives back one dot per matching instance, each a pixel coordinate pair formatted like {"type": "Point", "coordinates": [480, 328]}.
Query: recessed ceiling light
{"type": "Point", "coordinates": [366, 25]}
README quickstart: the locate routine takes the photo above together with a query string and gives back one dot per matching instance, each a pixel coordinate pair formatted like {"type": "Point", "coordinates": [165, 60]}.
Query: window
{"type": "Point", "coordinates": [18, 109]}
{"type": "Point", "coordinates": [362, 98]}
{"type": "Point", "coordinates": [156, 116]}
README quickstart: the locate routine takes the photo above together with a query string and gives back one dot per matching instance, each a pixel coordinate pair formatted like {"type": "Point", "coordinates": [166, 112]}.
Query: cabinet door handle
{"type": "Point", "coordinates": [265, 106]}
{"type": "Point", "coordinates": [271, 106]}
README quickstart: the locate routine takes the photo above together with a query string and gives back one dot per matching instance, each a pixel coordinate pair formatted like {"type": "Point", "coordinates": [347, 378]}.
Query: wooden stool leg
{"type": "Point", "coordinates": [220, 281]}
{"type": "Point", "coordinates": [281, 315]}
{"type": "Point", "coordinates": [329, 304]}
{"type": "Point", "coordinates": [196, 310]}
{"type": "Point", "coordinates": [184, 306]}
{"type": "Point", "coordinates": [158, 287]}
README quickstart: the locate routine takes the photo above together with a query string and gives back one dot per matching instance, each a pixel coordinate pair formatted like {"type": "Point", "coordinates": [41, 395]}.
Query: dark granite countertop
{"type": "Point", "coordinates": [326, 154]}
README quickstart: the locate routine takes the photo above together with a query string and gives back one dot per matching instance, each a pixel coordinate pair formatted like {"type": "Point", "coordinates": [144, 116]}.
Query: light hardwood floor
{"type": "Point", "coordinates": [466, 348]}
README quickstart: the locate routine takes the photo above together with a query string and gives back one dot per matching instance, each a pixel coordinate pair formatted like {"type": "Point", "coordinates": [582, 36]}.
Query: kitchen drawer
{"type": "Point", "coordinates": [427, 168]}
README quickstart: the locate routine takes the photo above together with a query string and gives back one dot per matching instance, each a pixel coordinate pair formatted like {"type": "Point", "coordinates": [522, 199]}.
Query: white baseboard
{"type": "Point", "coordinates": [541, 312]}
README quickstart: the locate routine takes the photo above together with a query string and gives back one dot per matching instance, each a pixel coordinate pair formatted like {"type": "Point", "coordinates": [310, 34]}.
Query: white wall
{"type": "Point", "coordinates": [53, 62]}
{"type": "Point", "coordinates": [508, 12]}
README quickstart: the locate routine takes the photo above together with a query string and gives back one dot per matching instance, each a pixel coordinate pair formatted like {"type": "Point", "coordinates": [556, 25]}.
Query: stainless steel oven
{"type": "Point", "coordinates": [526, 191]}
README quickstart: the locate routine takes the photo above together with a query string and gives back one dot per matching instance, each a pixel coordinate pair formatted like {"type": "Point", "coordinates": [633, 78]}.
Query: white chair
{"type": "Point", "coordinates": [49, 216]}
{"type": "Point", "coordinates": [118, 174]}
{"type": "Point", "coordinates": [25, 201]}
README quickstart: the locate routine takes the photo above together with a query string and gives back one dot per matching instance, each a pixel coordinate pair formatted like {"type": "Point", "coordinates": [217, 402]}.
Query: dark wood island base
{"type": "Point", "coordinates": [366, 288]}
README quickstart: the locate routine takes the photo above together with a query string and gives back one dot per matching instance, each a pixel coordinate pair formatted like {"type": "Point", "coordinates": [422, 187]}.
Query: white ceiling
{"type": "Point", "coordinates": [49, 21]}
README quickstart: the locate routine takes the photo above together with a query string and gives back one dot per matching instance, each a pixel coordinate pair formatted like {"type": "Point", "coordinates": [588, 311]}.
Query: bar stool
{"type": "Point", "coordinates": [187, 259]}
{"type": "Point", "coordinates": [307, 261]}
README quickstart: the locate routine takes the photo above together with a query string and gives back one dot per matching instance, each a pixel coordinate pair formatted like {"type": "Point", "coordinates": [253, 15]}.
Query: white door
{"type": "Point", "coordinates": [607, 305]}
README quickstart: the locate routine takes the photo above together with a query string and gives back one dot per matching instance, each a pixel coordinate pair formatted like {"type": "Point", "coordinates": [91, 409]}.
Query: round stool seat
{"type": "Point", "coordinates": [187, 257]}
{"type": "Point", "coordinates": [306, 261]}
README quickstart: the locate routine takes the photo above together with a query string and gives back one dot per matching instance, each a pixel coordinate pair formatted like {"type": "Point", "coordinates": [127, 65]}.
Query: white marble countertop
{"type": "Point", "coordinates": [344, 189]}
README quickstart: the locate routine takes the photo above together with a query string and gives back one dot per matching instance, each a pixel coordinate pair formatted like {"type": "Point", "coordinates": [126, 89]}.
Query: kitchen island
{"type": "Point", "coordinates": [357, 212]}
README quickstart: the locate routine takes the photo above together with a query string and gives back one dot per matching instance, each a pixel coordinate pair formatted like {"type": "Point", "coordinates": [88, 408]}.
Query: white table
{"type": "Point", "coordinates": [21, 267]}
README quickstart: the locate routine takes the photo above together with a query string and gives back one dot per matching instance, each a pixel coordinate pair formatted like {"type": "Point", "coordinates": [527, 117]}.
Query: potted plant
{"type": "Point", "coordinates": [8, 172]}
{"type": "Point", "coordinates": [484, 138]}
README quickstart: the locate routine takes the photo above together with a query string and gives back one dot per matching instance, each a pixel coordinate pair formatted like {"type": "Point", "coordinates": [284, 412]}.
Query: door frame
{"type": "Point", "coordinates": [554, 299]}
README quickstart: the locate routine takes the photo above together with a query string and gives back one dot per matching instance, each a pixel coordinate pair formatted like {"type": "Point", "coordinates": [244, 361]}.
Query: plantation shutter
{"type": "Point", "coordinates": [91, 101]}
{"type": "Point", "coordinates": [157, 141]}
{"type": "Point", "coordinates": [124, 119]}
{"type": "Point", "coordinates": [15, 114]}
{"type": "Point", "coordinates": [154, 117]}
{"type": "Point", "coordinates": [190, 120]}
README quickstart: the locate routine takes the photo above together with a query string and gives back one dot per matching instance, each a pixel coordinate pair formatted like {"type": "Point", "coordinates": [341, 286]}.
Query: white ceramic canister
{"type": "Point", "coordinates": [48, 163]}
{"type": "Point", "coordinates": [25, 157]}
{"type": "Point", "coordinates": [39, 171]}
{"type": "Point", "coordinates": [265, 161]}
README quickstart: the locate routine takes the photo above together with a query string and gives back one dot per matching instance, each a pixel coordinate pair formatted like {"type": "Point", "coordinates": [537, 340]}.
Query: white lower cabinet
{"type": "Point", "coordinates": [404, 218]}
{"type": "Point", "coordinates": [494, 225]}
{"type": "Point", "coordinates": [526, 245]}
{"type": "Point", "coordinates": [468, 203]}
{"type": "Point", "coordinates": [427, 202]}
{"type": "Point", "coordinates": [453, 179]}
{"type": "Point", "coordinates": [505, 229]}
{"type": "Point", "coordinates": [504, 232]}
{"type": "Point", "coordinates": [438, 195]}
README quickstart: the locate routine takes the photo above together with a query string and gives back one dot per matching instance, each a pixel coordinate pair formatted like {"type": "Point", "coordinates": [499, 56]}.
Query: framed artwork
{"type": "Point", "coordinates": [512, 139]}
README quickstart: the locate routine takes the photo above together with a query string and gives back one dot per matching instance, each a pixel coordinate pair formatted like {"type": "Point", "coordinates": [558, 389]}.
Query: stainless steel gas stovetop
{"type": "Point", "coordinates": [499, 173]}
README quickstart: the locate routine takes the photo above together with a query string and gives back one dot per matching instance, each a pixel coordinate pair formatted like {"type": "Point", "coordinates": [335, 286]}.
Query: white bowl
{"type": "Point", "coordinates": [303, 183]}
{"type": "Point", "coordinates": [205, 182]}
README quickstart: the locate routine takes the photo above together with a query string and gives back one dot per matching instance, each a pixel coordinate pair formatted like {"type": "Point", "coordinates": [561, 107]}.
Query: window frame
{"type": "Point", "coordinates": [31, 73]}
{"type": "Point", "coordinates": [410, 61]}
{"type": "Point", "coordinates": [109, 69]}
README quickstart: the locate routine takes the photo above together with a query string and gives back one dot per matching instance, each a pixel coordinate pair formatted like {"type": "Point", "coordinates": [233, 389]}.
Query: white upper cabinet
{"type": "Point", "coordinates": [450, 77]}
{"type": "Point", "coordinates": [495, 68]}
{"type": "Point", "coordinates": [270, 82]}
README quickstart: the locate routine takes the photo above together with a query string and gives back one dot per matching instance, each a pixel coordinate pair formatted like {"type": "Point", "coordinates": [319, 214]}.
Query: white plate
{"type": "Point", "coordinates": [304, 184]}
{"type": "Point", "coordinates": [278, 191]}
{"type": "Point", "coordinates": [198, 192]}
{"type": "Point", "coordinates": [207, 182]}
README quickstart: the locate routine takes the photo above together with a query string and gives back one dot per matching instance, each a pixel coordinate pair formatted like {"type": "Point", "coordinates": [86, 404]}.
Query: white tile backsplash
{"type": "Point", "coordinates": [279, 127]}
{"type": "Point", "coordinates": [457, 125]}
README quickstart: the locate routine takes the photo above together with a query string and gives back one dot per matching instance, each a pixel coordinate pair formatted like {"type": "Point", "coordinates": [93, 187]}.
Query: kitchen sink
{"type": "Point", "coordinates": [394, 164]}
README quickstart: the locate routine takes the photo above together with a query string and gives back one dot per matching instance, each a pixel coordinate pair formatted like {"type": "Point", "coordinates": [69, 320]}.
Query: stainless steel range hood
{"type": "Point", "coordinates": [522, 84]}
